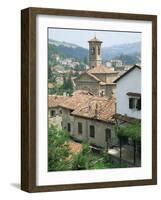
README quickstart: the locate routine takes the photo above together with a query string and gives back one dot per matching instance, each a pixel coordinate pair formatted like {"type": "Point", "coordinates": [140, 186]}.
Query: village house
{"type": "Point", "coordinates": [54, 110]}
{"type": "Point", "coordinates": [86, 117]}
{"type": "Point", "coordinates": [98, 79]}
{"type": "Point", "coordinates": [128, 95]}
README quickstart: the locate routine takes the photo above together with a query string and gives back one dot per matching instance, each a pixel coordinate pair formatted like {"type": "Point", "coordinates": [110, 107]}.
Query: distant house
{"type": "Point", "coordinates": [87, 118]}
{"type": "Point", "coordinates": [128, 93]}
{"type": "Point", "coordinates": [116, 63]}
{"type": "Point", "coordinates": [99, 78]}
{"type": "Point", "coordinates": [54, 110]}
{"type": "Point", "coordinates": [57, 68]}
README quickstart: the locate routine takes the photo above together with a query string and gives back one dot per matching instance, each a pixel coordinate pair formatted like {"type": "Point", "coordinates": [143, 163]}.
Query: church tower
{"type": "Point", "coordinates": [94, 52]}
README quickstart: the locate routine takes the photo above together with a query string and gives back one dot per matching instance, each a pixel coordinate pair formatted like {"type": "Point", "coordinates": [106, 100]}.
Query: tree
{"type": "Point", "coordinates": [49, 73]}
{"type": "Point", "coordinates": [132, 131]}
{"type": "Point", "coordinates": [58, 150]}
{"type": "Point", "coordinates": [87, 160]}
{"type": "Point", "coordinates": [61, 158]}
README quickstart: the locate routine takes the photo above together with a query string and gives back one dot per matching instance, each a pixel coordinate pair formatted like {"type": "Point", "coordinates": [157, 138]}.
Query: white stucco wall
{"type": "Point", "coordinates": [131, 82]}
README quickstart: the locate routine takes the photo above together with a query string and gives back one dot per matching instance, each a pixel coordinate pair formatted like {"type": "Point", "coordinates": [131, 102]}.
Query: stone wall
{"type": "Point", "coordinates": [63, 118]}
{"type": "Point", "coordinates": [102, 77]}
{"type": "Point", "coordinates": [100, 127]}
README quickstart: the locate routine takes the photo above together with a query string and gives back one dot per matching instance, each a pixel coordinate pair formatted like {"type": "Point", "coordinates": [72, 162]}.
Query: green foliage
{"type": "Point", "coordinates": [81, 160]}
{"type": "Point", "coordinates": [78, 53]}
{"type": "Point", "coordinates": [80, 67]}
{"type": "Point", "coordinates": [58, 149]}
{"type": "Point", "coordinates": [60, 158]}
{"type": "Point", "coordinates": [131, 130]}
{"type": "Point", "coordinates": [67, 86]}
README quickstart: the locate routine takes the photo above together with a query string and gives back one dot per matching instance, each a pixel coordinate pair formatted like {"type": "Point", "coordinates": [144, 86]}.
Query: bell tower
{"type": "Point", "coordinates": [94, 52]}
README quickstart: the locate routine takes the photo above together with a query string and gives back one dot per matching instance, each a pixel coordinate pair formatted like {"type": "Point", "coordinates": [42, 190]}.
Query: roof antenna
{"type": "Point", "coordinates": [95, 35]}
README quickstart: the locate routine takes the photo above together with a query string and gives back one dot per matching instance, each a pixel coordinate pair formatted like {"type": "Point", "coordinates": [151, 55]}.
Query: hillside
{"type": "Point", "coordinates": [132, 50]}
{"type": "Point", "coordinates": [128, 53]}
{"type": "Point", "coordinates": [67, 50]}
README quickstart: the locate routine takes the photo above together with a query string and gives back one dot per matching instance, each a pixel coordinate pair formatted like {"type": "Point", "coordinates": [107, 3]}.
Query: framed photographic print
{"type": "Point", "coordinates": [89, 99]}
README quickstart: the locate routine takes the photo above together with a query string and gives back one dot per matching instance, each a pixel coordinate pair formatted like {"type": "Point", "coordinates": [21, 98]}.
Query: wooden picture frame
{"type": "Point", "coordinates": [28, 98]}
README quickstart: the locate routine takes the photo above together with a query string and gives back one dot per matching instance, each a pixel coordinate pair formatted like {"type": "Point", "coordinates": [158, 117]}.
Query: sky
{"type": "Point", "coordinates": [81, 37]}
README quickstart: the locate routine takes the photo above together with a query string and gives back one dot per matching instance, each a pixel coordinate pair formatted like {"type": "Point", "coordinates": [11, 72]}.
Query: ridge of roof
{"type": "Point", "coordinates": [132, 68]}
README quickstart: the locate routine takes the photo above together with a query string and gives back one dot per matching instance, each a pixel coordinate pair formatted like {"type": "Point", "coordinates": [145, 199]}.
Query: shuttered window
{"type": "Point", "coordinates": [92, 131]}
{"type": "Point", "coordinates": [80, 128]}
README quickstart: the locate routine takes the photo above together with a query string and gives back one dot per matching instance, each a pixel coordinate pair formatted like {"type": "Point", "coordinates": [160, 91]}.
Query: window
{"type": "Point", "coordinates": [138, 105]}
{"type": "Point", "coordinates": [60, 112]}
{"type": "Point", "coordinates": [92, 131]}
{"type": "Point", "coordinates": [69, 127]}
{"type": "Point", "coordinates": [102, 93]}
{"type": "Point", "coordinates": [92, 50]}
{"type": "Point", "coordinates": [135, 103]}
{"type": "Point", "coordinates": [80, 128]}
{"type": "Point", "coordinates": [134, 100]}
{"type": "Point", "coordinates": [52, 113]}
{"type": "Point", "coordinates": [108, 135]}
{"type": "Point", "coordinates": [131, 103]}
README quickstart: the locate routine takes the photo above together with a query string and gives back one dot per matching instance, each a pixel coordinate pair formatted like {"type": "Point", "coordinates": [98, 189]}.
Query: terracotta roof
{"type": "Point", "coordinates": [84, 92]}
{"type": "Point", "coordinates": [83, 104]}
{"type": "Point", "coordinates": [132, 68]}
{"type": "Point", "coordinates": [125, 118]}
{"type": "Point", "coordinates": [95, 40]}
{"type": "Point", "coordinates": [55, 101]}
{"type": "Point", "coordinates": [101, 70]}
{"type": "Point", "coordinates": [95, 107]}
{"type": "Point", "coordinates": [75, 101]}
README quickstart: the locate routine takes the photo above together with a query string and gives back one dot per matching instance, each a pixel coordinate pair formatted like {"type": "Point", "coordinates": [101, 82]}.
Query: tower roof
{"type": "Point", "coordinates": [95, 40]}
